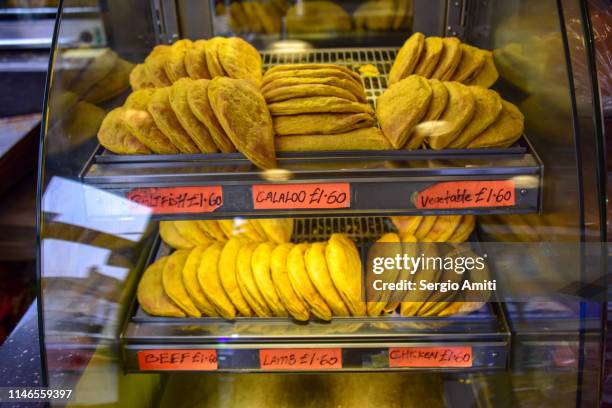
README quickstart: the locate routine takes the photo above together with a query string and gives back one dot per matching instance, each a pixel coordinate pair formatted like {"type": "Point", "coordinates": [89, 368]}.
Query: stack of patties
{"type": "Point", "coordinates": [446, 115]}
{"type": "Point", "coordinates": [435, 228]}
{"type": "Point", "coordinates": [421, 302]}
{"type": "Point", "coordinates": [240, 277]}
{"type": "Point", "coordinates": [193, 116]}
{"type": "Point", "coordinates": [320, 107]}
{"type": "Point", "coordinates": [446, 59]}
{"type": "Point", "coordinates": [383, 15]}
{"type": "Point", "coordinates": [202, 59]}
{"type": "Point", "coordinates": [317, 17]}
{"type": "Point", "coordinates": [188, 234]}
{"type": "Point", "coordinates": [257, 16]}
{"type": "Point", "coordinates": [94, 75]}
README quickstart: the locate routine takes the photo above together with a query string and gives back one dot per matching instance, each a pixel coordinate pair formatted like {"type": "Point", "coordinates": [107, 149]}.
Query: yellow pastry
{"type": "Point", "coordinates": [139, 79]}
{"type": "Point", "coordinates": [172, 279]}
{"type": "Point", "coordinates": [246, 281]}
{"type": "Point", "coordinates": [472, 61]}
{"type": "Point", "coordinates": [210, 282]}
{"type": "Point", "coordinates": [318, 104]}
{"type": "Point", "coordinates": [175, 60]}
{"type": "Point", "coordinates": [243, 114]}
{"type": "Point", "coordinates": [278, 269]}
{"type": "Point", "coordinates": [154, 66]}
{"type": "Point", "coordinates": [240, 60]}
{"type": "Point", "coordinates": [449, 60]}
{"type": "Point", "coordinates": [316, 266]}
{"type": "Point", "coordinates": [151, 295]}
{"type": "Point", "coordinates": [192, 285]}
{"type": "Point", "coordinates": [321, 123]}
{"type": "Point", "coordinates": [191, 231]}
{"type": "Point", "coordinates": [115, 136]}
{"type": "Point", "coordinates": [425, 226]}
{"type": "Point", "coordinates": [195, 60]}
{"type": "Point", "coordinates": [227, 274]}
{"type": "Point", "coordinates": [464, 230]}
{"type": "Point", "coordinates": [488, 74]}
{"type": "Point", "coordinates": [369, 138]}
{"type": "Point", "coordinates": [506, 130]}
{"type": "Point", "coordinates": [459, 112]}
{"type": "Point", "coordinates": [302, 285]}
{"type": "Point", "coordinates": [196, 130]}
{"type": "Point", "coordinates": [260, 265]}
{"type": "Point", "coordinates": [437, 106]}
{"type": "Point", "coordinates": [443, 228]}
{"type": "Point", "coordinates": [407, 58]}
{"type": "Point", "coordinates": [389, 245]}
{"type": "Point", "coordinates": [430, 56]}
{"type": "Point", "coordinates": [401, 107]}
{"type": "Point", "coordinates": [197, 97]}
{"type": "Point", "coordinates": [488, 109]}
{"type": "Point", "coordinates": [277, 230]}
{"type": "Point", "coordinates": [166, 120]}
{"type": "Point", "coordinates": [212, 229]}
{"type": "Point", "coordinates": [171, 236]}
{"type": "Point", "coordinates": [344, 266]}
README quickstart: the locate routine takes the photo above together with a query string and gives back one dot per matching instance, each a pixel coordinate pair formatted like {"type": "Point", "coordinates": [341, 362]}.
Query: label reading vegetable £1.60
{"type": "Point", "coordinates": [467, 194]}
{"type": "Point", "coordinates": [301, 196]}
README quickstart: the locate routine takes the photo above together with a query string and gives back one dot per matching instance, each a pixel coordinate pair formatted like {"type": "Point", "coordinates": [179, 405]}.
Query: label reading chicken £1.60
{"type": "Point", "coordinates": [301, 196]}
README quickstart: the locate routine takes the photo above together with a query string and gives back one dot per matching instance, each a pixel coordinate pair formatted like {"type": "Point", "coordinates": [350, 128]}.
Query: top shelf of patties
{"type": "Point", "coordinates": [324, 182]}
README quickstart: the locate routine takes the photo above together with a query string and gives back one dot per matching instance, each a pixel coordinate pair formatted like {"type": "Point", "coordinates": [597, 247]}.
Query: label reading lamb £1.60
{"type": "Point", "coordinates": [300, 359]}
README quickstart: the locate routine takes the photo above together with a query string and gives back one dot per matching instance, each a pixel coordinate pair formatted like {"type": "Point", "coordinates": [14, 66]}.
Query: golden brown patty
{"type": "Point", "coordinates": [401, 107]}
{"type": "Point", "coordinates": [242, 112]}
{"type": "Point", "coordinates": [407, 58]}
{"type": "Point", "coordinates": [321, 123]}
{"type": "Point", "coordinates": [197, 98]}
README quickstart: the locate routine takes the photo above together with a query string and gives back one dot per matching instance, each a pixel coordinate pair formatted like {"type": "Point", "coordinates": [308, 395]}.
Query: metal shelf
{"type": "Point", "coordinates": [364, 343]}
{"type": "Point", "coordinates": [380, 182]}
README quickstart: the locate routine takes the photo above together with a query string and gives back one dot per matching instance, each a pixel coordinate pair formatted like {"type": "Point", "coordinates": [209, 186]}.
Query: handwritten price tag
{"type": "Point", "coordinates": [427, 357]}
{"type": "Point", "coordinates": [467, 194]}
{"type": "Point", "coordinates": [301, 196]}
{"type": "Point", "coordinates": [173, 200]}
{"type": "Point", "coordinates": [177, 360]}
{"type": "Point", "coordinates": [300, 359]}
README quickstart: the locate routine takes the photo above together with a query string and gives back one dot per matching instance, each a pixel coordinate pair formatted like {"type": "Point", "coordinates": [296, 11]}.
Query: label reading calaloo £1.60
{"type": "Point", "coordinates": [301, 196]}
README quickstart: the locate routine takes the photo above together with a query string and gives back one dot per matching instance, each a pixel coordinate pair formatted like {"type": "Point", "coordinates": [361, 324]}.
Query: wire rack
{"type": "Point", "coordinates": [359, 229]}
{"type": "Point", "coordinates": [353, 58]}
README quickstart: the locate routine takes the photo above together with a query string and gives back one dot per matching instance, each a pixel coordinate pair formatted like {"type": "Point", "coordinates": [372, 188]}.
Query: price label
{"type": "Point", "coordinates": [173, 200]}
{"type": "Point", "coordinates": [467, 194]}
{"type": "Point", "coordinates": [301, 196]}
{"type": "Point", "coordinates": [177, 360]}
{"type": "Point", "coordinates": [300, 359]}
{"type": "Point", "coordinates": [427, 357]}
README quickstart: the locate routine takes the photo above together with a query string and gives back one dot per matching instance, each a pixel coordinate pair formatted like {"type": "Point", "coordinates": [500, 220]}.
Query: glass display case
{"type": "Point", "coordinates": [225, 187]}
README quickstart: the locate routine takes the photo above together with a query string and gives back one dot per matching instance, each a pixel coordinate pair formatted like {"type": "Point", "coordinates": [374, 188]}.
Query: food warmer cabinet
{"type": "Point", "coordinates": [97, 235]}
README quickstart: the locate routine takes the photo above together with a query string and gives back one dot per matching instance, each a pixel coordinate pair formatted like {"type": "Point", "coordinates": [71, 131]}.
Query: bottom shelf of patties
{"type": "Point", "coordinates": [472, 342]}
